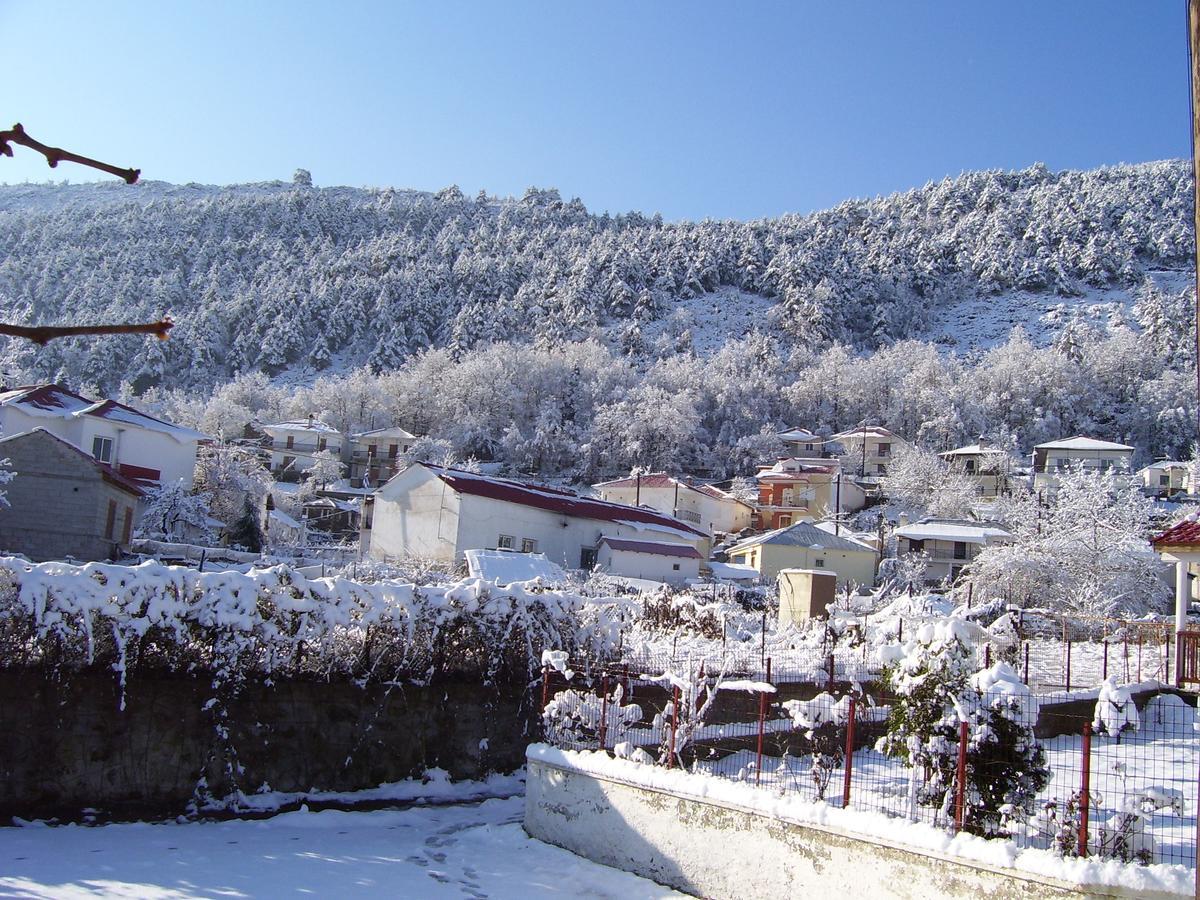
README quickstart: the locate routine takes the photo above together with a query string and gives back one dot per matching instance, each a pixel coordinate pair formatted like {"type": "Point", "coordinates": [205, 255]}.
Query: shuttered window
{"type": "Point", "coordinates": [110, 522]}
{"type": "Point", "coordinates": [127, 528]}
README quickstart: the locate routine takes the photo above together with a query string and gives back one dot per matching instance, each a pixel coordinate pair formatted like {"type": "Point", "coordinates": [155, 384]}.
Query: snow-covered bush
{"type": "Point", "coordinates": [173, 513]}
{"type": "Point", "coordinates": [573, 718]}
{"type": "Point", "coordinates": [1116, 713]}
{"type": "Point", "coordinates": [936, 689]}
{"type": "Point", "coordinates": [823, 721]}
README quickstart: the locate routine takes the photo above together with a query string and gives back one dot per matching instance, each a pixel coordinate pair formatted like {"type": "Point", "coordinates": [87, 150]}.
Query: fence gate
{"type": "Point", "coordinates": [1187, 658]}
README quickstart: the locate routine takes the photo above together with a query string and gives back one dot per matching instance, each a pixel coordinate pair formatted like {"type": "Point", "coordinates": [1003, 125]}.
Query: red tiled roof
{"type": "Point", "coordinates": [653, 548]}
{"type": "Point", "coordinates": [556, 500]}
{"type": "Point", "coordinates": [653, 479]}
{"type": "Point", "coordinates": [1185, 532]}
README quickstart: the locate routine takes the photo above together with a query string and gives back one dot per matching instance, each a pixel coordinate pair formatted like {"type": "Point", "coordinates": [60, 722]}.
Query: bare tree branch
{"type": "Point", "coordinates": [54, 155]}
{"type": "Point", "coordinates": [40, 334]}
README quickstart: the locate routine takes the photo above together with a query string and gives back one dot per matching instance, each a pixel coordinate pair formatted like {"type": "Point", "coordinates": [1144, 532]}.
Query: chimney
{"type": "Point", "coordinates": [902, 520]}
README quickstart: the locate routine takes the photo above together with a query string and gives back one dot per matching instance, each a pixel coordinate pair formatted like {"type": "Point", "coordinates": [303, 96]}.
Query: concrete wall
{"type": "Point", "coordinates": [671, 569]}
{"type": "Point", "coordinates": [58, 503]}
{"type": "Point", "coordinates": [66, 744]}
{"type": "Point", "coordinates": [717, 849]}
{"type": "Point", "coordinates": [415, 514]}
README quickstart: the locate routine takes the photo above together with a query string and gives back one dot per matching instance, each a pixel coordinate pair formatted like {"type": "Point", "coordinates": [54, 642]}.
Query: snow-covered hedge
{"type": "Point", "coordinates": [274, 622]}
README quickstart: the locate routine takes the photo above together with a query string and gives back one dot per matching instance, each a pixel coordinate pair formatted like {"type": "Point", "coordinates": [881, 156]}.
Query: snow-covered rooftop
{"type": "Point", "coordinates": [966, 532]}
{"type": "Point", "coordinates": [974, 450]}
{"type": "Point", "coordinates": [506, 567]}
{"type": "Point", "coordinates": [652, 548]}
{"type": "Point", "coordinates": [55, 401]}
{"type": "Point", "coordinates": [1082, 443]}
{"type": "Point", "coordinates": [390, 431]}
{"type": "Point", "coordinates": [800, 435]}
{"type": "Point", "coordinates": [314, 426]}
{"type": "Point", "coordinates": [802, 534]}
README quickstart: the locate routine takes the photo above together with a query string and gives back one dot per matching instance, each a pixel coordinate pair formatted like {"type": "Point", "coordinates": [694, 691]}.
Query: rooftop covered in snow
{"type": "Point", "coordinates": [802, 534]}
{"type": "Point", "coordinates": [945, 530]}
{"type": "Point", "coordinates": [1082, 443]}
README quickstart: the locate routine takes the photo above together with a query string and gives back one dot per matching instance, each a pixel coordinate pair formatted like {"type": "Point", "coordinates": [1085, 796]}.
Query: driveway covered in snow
{"type": "Point", "coordinates": [469, 850]}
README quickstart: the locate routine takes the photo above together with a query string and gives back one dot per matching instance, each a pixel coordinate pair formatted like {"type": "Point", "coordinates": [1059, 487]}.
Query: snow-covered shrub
{"type": "Point", "coordinates": [937, 689]}
{"type": "Point", "coordinates": [670, 612]}
{"type": "Point", "coordinates": [573, 718]}
{"type": "Point", "coordinates": [1116, 712]}
{"type": "Point", "coordinates": [173, 513]}
{"type": "Point", "coordinates": [823, 721]}
{"type": "Point", "coordinates": [697, 693]}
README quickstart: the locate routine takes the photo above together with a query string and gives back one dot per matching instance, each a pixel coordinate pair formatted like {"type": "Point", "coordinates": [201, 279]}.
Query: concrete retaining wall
{"type": "Point", "coordinates": [712, 848]}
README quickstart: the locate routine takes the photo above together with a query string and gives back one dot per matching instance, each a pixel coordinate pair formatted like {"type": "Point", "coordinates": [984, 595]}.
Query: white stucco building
{"type": "Point", "coordinates": [140, 447]}
{"type": "Point", "coordinates": [294, 443]}
{"type": "Point", "coordinates": [704, 506]}
{"type": "Point", "coordinates": [439, 513]}
{"type": "Point", "coordinates": [950, 544]}
{"type": "Point", "coordinates": [1054, 457]}
{"type": "Point", "coordinates": [375, 455]}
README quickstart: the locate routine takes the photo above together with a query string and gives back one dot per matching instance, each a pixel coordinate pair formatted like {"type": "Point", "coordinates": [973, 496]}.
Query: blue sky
{"type": "Point", "coordinates": [693, 110]}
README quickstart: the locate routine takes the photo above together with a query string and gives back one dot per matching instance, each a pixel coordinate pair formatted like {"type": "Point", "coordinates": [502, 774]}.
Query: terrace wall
{"type": "Point", "coordinates": [713, 848]}
{"type": "Point", "coordinates": [67, 745]}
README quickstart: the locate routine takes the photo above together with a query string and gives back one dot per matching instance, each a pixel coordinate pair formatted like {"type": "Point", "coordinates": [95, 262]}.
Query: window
{"type": "Point", "coordinates": [102, 449]}
{"type": "Point", "coordinates": [393, 449]}
{"type": "Point", "coordinates": [110, 521]}
{"type": "Point", "coordinates": [587, 558]}
{"type": "Point", "coordinates": [880, 469]}
{"type": "Point", "coordinates": [955, 571]}
{"type": "Point", "coordinates": [884, 449]}
{"type": "Point", "coordinates": [504, 542]}
{"type": "Point", "coordinates": [788, 496]}
{"type": "Point", "coordinates": [809, 447]}
{"type": "Point", "coordinates": [818, 563]}
{"type": "Point", "coordinates": [916, 546]}
{"type": "Point", "coordinates": [528, 545]}
{"type": "Point", "coordinates": [960, 550]}
{"type": "Point", "coordinates": [291, 442]}
{"type": "Point", "coordinates": [321, 443]}
{"type": "Point", "coordinates": [1164, 480]}
{"type": "Point", "coordinates": [371, 448]}
{"type": "Point", "coordinates": [675, 566]}
{"type": "Point", "coordinates": [783, 521]}
{"type": "Point", "coordinates": [970, 467]}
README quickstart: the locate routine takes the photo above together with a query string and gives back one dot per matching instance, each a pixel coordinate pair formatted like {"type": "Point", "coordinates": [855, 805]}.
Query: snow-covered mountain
{"type": "Point", "coordinates": [293, 280]}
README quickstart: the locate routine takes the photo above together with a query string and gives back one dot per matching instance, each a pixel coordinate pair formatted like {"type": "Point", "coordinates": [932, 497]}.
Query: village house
{"type": "Point", "coordinates": [990, 468]}
{"type": "Point", "coordinates": [1163, 478]}
{"type": "Point", "coordinates": [804, 546]}
{"type": "Point", "coordinates": [1054, 457]}
{"type": "Point", "coordinates": [801, 442]}
{"type": "Point", "coordinates": [804, 490]}
{"type": "Point", "coordinates": [375, 455]}
{"type": "Point", "coordinates": [872, 449]}
{"type": "Point", "coordinates": [704, 506]}
{"type": "Point", "coordinates": [293, 445]}
{"type": "Point", "coordinates": [332, 516]}
{"type": "Point", "coordinates": [140, 447]}
{"type": "Point", "coordinates": [64, 503]}
{"type": "Point", "coordinates": [949, 543]}
{"type": "Point", "coordinates": [438, 513]}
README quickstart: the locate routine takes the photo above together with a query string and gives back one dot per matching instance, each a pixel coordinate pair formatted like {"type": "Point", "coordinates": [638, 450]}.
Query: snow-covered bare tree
{"type": "Point", "coordinates": [173, 513]}
{"type": "Point", "coordinates": [925, 483]}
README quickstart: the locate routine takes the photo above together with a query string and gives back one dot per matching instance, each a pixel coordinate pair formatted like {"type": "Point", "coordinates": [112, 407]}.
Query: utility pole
{"type": "Point", "coordinates": [1194, 70]}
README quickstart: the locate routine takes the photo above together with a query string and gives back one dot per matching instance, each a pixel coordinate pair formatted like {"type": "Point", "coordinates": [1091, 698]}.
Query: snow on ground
{"type": "Point", "coordinates": [713, 320]}
{"type": "Point", "coordinates": [464, 850]}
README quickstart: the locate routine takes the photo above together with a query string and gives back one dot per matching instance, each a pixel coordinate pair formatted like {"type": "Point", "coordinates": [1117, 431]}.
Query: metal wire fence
{"type": "Point", "coordinates": [1111, 774]}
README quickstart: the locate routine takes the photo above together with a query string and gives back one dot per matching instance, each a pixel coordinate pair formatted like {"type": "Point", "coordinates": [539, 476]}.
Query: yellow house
{"type": "Point", "coordinates": [804, 546]}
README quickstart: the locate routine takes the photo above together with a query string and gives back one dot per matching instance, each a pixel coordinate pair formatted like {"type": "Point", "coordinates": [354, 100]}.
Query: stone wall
{"type": "Point", "coordinates": [68, 745]}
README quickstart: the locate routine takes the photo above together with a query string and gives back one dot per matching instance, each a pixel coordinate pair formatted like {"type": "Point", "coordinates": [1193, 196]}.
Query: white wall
{"type": "Point", "coordinates": [416, 514]}
{"type": "Point", "coordinates": [710, 848]}
{"type": "Point", "coordinates": [647, 565]}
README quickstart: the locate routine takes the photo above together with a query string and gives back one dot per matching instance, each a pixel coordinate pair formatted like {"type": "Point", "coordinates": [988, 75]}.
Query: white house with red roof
{"type": "Point", "coordinates": [139, 446]}
{"type": "Point", "coordinates": [704, 506]}
{"type": "Point", "coordinates": [434, 512]}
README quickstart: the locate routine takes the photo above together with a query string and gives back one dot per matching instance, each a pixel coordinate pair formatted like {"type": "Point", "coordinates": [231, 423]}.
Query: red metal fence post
{"type": "Point", "coordinates": [603, 709]}
{"type": "Point", "coordinates": [1027, 662]}
{"type": "Point", "coordinates": [674, 724]}
{"type": "Point", "coordinates": [849, 751]}
{"type": "Point", "coordinates": [1068, 666]}
{"type": "Point", "coordinates": [762, 720]}
{"type": "Point", "coordinates": [1167, 657]}
{"type": "Point", "coordinates": [1085, 787]}
{"type": "Point", "coordinates": [960, 799]}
